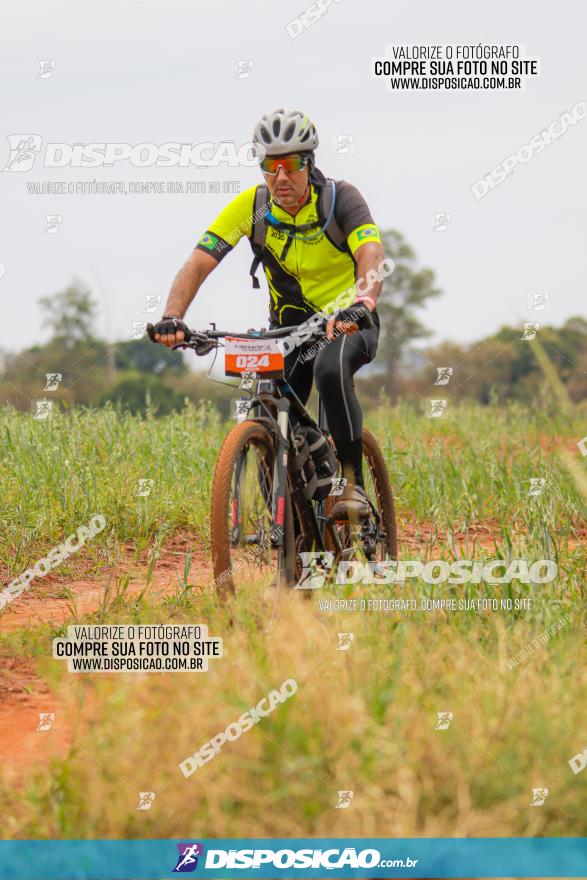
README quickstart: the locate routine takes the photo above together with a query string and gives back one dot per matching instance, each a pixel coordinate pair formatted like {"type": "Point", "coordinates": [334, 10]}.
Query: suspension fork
{"type": "Point", "coordinates": [321, 505]}
{"type": "Point", "coordinates": [279, 487]}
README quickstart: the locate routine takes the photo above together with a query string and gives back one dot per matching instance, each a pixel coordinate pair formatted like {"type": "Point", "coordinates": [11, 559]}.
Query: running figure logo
{"type": "Point", "coordinates": [42, 408]}
{"type": "Point", "coordinates": [539, 795]}
{"type": "Point", "coordinates": [23, 151]}
{"type": "Point", "coordinates": [530, 330]}
{"type": "Point", "coordinates": [244, 69]}
{"type": "Point", "coordinates": [53, 380]}
{"type": "Point", "coordinates": [444, 374]}
{"type": "Point", "coordinates": [46, 719]}
{"type": "Point", "coordinates": [46, 69]}
{"type": "Point", "coordinates": [139, 328]}
{"type": "Point", "coordinates": [146, 799]}
{"type": "Point", "coordinates": [441, 222]}
{"type": "Point", "coordinates": [151, 303]}
{"type": "Point", "coordinates": [344, 641]}
{"type": "Point", "coordinates": [444, 719]}
{"type": "Point", "coordinates": [53, 222]}
{"type": "Point", "coordinates": [316, 566]}
{"type": "Point", "coordinates": [437, 407]}
{"type": "Point", "coordinates": [187, 860]}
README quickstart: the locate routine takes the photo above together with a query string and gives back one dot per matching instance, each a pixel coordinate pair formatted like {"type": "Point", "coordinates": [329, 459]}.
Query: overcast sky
{"type": "Point", "coordinates": [159, 71]}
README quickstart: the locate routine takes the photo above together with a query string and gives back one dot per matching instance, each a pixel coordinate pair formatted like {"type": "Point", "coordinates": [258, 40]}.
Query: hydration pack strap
{"type": "Point", "coordinates": [259, 232]}
{"type": "Point", "coordinates": [262, 218]}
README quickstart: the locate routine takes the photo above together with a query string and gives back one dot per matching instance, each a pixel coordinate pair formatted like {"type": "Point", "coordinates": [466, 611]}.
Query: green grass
{"type": "Point", "coordinates": [473, 464]}
{"type": "Point", "coordinates": [57, 473]}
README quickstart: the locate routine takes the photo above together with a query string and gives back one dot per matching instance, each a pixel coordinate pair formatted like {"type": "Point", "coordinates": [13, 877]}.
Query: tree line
{"type": "Point", "coordinates": [498, 368]}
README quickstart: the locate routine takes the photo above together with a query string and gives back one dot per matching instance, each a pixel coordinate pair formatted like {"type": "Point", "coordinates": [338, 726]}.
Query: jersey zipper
{"type": "Point", "coordinates": [290, 239]}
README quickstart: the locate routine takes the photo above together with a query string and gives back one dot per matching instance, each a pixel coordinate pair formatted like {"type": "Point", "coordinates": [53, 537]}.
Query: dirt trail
{"type": "Point", "coordinates": [24, 696]}
{"type": "Point", "coordinates": [24, 737]}
{"type": "Point", "coordinates": [416, 534]}
{"type": "Point", "coordinates": [43, 604]}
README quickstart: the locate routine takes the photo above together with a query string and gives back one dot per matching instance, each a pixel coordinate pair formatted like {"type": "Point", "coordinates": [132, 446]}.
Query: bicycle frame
{"type": "Point", "coordinates": [272, 396]}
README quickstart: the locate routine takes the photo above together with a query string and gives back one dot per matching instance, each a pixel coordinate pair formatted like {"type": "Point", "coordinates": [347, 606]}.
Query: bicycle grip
{"type": "Point", "coordinates": [367, 320]}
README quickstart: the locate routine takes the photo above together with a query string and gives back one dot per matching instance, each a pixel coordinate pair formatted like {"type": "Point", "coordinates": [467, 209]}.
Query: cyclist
{"type": "Point", "coordinates": [312, 263]}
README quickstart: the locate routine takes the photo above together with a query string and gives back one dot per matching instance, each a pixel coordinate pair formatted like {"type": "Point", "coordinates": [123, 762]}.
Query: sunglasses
{"type": "Point", "coordinates": [271, 164]}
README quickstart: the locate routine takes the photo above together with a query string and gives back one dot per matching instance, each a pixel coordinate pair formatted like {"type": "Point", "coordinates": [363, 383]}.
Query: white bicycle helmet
{"type": "Point", "coordinates": [284, 131]}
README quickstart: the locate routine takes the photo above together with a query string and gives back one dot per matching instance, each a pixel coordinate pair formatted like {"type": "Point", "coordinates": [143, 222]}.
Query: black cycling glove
{"type": "Point", "coordinates": [358, 314]}
{"type": "Point", "coordinates": [167, 326]}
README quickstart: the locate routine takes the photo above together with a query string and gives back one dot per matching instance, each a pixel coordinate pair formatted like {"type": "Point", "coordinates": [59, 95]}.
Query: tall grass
{"type": "Point", "coordinates": [362, 720]}
{"type": "Point", "coordinates": [58, 472]}
{"type": "Point", "coordinates": [473, 464]}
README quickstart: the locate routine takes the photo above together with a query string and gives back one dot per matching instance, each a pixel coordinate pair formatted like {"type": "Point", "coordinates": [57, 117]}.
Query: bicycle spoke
{"type": "Point", "coordinates": [251, 558]}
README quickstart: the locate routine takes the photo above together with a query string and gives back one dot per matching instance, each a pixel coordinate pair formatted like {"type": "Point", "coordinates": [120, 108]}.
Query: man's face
{"type": "Point", "coordinates": [288, 188]}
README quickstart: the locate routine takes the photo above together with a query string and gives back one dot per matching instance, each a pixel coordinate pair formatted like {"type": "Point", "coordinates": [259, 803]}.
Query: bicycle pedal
{"type": "Point", "coordinates": [354, 520]}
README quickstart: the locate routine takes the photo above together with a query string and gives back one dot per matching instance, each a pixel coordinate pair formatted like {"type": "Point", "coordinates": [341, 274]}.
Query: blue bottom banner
{"type": "Point", "coordinates": [301, 858]}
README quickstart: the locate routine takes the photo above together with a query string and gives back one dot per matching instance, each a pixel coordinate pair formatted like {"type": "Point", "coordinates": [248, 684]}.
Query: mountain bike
{"type": "Point", "coordinates": [270, 501]}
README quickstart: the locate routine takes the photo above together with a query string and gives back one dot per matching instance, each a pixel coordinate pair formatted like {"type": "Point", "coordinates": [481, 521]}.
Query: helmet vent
{"type": "Point", "coordinates": [285, 131]}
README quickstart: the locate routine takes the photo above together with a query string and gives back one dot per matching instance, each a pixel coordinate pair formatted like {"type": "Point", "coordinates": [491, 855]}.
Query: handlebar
{"type": "Point", "coordinates": [204, 341]}
{"type": "Point", "coordinates": [256, 334]}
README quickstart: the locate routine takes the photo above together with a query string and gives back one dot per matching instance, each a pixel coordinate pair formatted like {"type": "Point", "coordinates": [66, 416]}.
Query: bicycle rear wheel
{"type": "Point", "coordinates": [240, 517]}
{"type": "Point", "coordinates": [378, 489]}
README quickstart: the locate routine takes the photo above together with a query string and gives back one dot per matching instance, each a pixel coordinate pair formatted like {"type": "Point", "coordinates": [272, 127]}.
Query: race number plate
{"type": "Point", "coordinates": [262, 356]}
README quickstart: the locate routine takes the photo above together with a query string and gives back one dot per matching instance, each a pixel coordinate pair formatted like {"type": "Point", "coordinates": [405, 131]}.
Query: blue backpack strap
{"type": "Point", "coordinates": [326, 203]}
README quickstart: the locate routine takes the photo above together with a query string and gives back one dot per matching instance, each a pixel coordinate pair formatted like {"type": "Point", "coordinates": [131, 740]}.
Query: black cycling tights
{"type": "Point", "coordinates": [333, 367]}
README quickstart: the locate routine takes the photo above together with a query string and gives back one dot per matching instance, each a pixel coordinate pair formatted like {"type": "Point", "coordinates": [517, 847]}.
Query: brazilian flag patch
{"type": "Point", "coordinates": [208, 241]}
{"type": "Point", "coordinates": [366, 232]}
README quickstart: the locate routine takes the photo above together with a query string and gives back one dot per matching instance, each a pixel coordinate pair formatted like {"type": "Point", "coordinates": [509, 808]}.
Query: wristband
{"type": "Point", "coordinates": [363, 296]}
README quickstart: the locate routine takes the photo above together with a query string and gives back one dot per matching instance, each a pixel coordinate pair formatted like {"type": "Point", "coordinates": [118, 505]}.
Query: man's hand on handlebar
{"type": "Point", "coordinates": [168, 331]}
{"type": "Point", "coordinates": [172, 332]}
{"type": "Point", "coordinates": [354, 317]}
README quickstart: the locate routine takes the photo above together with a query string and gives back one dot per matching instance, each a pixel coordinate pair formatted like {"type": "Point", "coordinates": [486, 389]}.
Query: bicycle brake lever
{"type": "Point", "coordinates": [205, 347]}
{"type": "Point", "coordinates": [200, 347]}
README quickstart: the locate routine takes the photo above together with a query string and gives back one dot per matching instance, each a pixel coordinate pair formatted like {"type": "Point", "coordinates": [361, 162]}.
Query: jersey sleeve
{"type": "Point", "coordinates": [234, 221]}
{"type": "Point", "coordinates": [354, 217]}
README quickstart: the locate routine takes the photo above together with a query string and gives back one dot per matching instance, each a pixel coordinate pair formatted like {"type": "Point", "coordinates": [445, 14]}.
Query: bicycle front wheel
{"type": "Point", "coordinates": [240, 518]}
